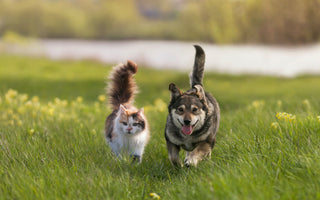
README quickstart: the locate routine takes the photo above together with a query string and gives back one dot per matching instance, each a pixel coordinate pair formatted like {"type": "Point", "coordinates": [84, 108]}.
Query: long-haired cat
{"type": "Point", "coordinates": [126, 128]}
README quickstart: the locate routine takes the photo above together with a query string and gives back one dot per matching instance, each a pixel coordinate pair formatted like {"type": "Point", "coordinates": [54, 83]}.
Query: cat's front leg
{"type": "Point", "coordinates": [136, 159]}
{"type": "Point", "coordinates": [115, 148]}
{"type": "Point", "coordinates": [137, 154]}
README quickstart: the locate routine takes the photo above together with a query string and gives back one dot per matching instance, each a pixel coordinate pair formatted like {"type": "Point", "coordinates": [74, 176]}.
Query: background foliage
{"type": "Point", "coordinates": [218, 21]}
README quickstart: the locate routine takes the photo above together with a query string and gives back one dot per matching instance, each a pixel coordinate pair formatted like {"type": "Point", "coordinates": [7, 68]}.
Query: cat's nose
{"type": "Point", "coordinates": [129, 129]}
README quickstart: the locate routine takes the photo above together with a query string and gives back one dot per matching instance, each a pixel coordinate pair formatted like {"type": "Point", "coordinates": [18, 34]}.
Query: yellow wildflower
{"type": "Point", "coordinates": [258, 104]}
{"type": "Point", "coordinates": [19, 123]}
{"type": "Point", "coordinates": [61, 115]}
{"type": "Point", "coordinates": [4, 116]}
{"type": "Point", "coordinates": [93, 131]}
{"type": "Point", "coordinates": [31, 131]}
{"type": "Point", "coordinates": [154, 195]}
{"type": "Point", "coordinates": [11, 94]}
{"type": "Point", "coordinates": [160, 105]}
{"type": "Point", "coordinates": [64, 103]}
{"type": "Point", "coordinates": [148, 108]}
{"type": "Point", "coordinates": [96, 104]}
{"type": "Point", "coordinates": [35, 99]}
{"type": "Point", "coordinates": [102, 98]}
{"type": "Point", "coordinates": [21, 109]}
{"type": "Point", "coordinates": [34, 114]}
{"type": "Point", "coordinates": [318, 117]}
{"type": "Point", "coordinates": [28, 104]}
{"type": "Point", "coordinates": [51, 111]}
{"type": "Point", "coordinates": [43, 109]}
{"type": "Point", "coordinates": [307, 104]}
{"type": "Point", "coordinates": [57, 101]}
{"type": "Point", "coordinates": [280, 115]}
{"type": "Point", "coordinates": [279, 103]}
{"type": "Point", "coordinates": [15, 117]}
{"type": "Point", "coordinates": [11, 122]}
{"type": "Point", "coordinates": [275, 125]}
{"type": "Point", "coordinates": [50, 104]}
{"type": "Point", "coordinates": [292, 118]}
{"type": "Point", "coordinates": [79, 99]}
{"type": "Point", "coordinates": [286, 116]}
{"type": "Point", "coordinates": [23, 97]}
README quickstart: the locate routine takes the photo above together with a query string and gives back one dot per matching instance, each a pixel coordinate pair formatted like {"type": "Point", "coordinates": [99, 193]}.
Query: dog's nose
{"type": "Point", "coordinates": [187, 121]}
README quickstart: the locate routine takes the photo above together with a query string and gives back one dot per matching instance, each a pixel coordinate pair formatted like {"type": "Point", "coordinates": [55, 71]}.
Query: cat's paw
{"type": "Point", "coordinates": [136, 159]}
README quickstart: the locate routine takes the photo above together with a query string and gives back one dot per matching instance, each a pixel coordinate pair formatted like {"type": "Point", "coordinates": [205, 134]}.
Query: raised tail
{"type": "Point", "coordinates": [196, 76]}
{"type": "Point", "coordinates": [122, 87]}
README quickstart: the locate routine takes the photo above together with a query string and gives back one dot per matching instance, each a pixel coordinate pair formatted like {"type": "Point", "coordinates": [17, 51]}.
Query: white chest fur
{"type": "Point", "coordinates": [130, 144]}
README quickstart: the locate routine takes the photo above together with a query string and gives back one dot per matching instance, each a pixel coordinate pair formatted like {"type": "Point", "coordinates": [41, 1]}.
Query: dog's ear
{"type": "Point", "coordinates": [200, 93]}
{"type": "Point", "coordinates": [175, 92]}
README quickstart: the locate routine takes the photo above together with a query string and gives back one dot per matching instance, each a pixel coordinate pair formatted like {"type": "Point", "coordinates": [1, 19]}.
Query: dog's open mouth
{"type": "Point", "coordinates": [187, 129]}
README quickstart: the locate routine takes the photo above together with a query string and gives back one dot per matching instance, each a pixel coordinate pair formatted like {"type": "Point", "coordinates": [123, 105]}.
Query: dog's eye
{"type": "Point", "coordinates": [125, 123]}
{"type": "Point", "coordinates": [194, 109]}
{"type": "Point", "coordinates": [180, 109]}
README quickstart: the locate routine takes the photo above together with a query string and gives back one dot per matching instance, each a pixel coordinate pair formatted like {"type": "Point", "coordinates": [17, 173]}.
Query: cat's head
{"type": "Point", "coordinates": [131, 121]}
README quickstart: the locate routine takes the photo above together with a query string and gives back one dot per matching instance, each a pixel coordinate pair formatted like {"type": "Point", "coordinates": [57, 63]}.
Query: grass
{"type": "Point", "coordinates": [52, 145]}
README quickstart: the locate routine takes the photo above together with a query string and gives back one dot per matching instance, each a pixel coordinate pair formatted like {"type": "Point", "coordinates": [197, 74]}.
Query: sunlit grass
{"type": "Point", "coordinates": [52, 144]}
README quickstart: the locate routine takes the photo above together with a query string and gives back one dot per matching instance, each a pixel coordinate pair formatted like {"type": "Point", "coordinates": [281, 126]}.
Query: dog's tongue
{"type": "Point", "coordinates": [187, 130]}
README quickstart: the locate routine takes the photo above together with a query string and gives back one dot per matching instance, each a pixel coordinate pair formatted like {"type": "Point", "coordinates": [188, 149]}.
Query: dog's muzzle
{"type": "Point", "coordinates": [187, 128]}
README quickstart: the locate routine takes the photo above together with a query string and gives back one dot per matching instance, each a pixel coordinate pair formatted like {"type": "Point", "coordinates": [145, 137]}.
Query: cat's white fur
{"type": "Point", "coordinates": [128, 139]}
{"type": "Point", "coordinates": [126, 128]}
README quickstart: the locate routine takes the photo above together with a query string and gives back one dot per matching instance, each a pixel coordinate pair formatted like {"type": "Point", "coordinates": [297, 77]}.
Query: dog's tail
{"type": "Point", "coordinates": [198, 68]}
{"type": "Point", "coordinates": [122, 86]}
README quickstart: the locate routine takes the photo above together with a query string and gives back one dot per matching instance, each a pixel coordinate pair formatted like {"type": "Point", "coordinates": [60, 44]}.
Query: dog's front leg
{"type": "Point", "coordinates": [201, 151]}
{"type": "Point", "coordinates": [173, 151]}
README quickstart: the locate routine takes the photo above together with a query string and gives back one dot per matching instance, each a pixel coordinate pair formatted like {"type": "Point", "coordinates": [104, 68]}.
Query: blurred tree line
{"type": "Point", "coordinates": [217, 21]}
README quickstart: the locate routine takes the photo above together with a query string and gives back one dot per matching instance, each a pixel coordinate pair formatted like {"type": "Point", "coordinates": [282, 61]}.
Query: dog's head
{"type": "Point", "coordinates": [189, 109]}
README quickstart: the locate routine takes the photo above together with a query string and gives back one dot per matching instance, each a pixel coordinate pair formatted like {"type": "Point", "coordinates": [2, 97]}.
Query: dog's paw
{"type": "Point", "coordinates": [176, 164]}
{"type": "Point", "coordinates": [190, 161]}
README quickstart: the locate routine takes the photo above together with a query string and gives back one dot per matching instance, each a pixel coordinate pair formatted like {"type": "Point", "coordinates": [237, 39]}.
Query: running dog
{"type": "Point", "coordinates": [193, 118]}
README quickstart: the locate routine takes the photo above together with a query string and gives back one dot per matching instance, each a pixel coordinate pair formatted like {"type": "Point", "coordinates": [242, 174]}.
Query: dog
{"type": "Point", "coordinates": [193, 119]}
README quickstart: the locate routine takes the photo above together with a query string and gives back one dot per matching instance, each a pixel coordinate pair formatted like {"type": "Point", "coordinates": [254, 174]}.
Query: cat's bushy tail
{"type": "Point", "coordinates": [122, 87]}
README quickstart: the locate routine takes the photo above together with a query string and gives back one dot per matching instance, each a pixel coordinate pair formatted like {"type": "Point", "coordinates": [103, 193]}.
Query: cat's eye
{"type": "Point", "coordinates": [135, 124]}
{"type": "Point", "coordinates": [125, 123]}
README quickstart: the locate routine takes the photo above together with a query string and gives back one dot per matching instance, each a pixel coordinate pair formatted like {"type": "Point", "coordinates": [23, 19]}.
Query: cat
{"type": "Point", "coordinates": [126, 128]}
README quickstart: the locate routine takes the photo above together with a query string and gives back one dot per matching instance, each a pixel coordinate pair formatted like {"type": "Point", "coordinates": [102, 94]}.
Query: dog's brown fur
{"type": "Point", "coordinates": [193, 119]}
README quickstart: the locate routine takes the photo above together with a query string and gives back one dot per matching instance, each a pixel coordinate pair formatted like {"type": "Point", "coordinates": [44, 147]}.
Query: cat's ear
{"type": "Point", "coordinates": [141, 111]}
{"type": "Point", "coordinates": [123, 110]}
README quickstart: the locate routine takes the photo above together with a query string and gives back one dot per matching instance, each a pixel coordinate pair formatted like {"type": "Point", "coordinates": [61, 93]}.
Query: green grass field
{"type": "Point", "coordinates": [52, 144]}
